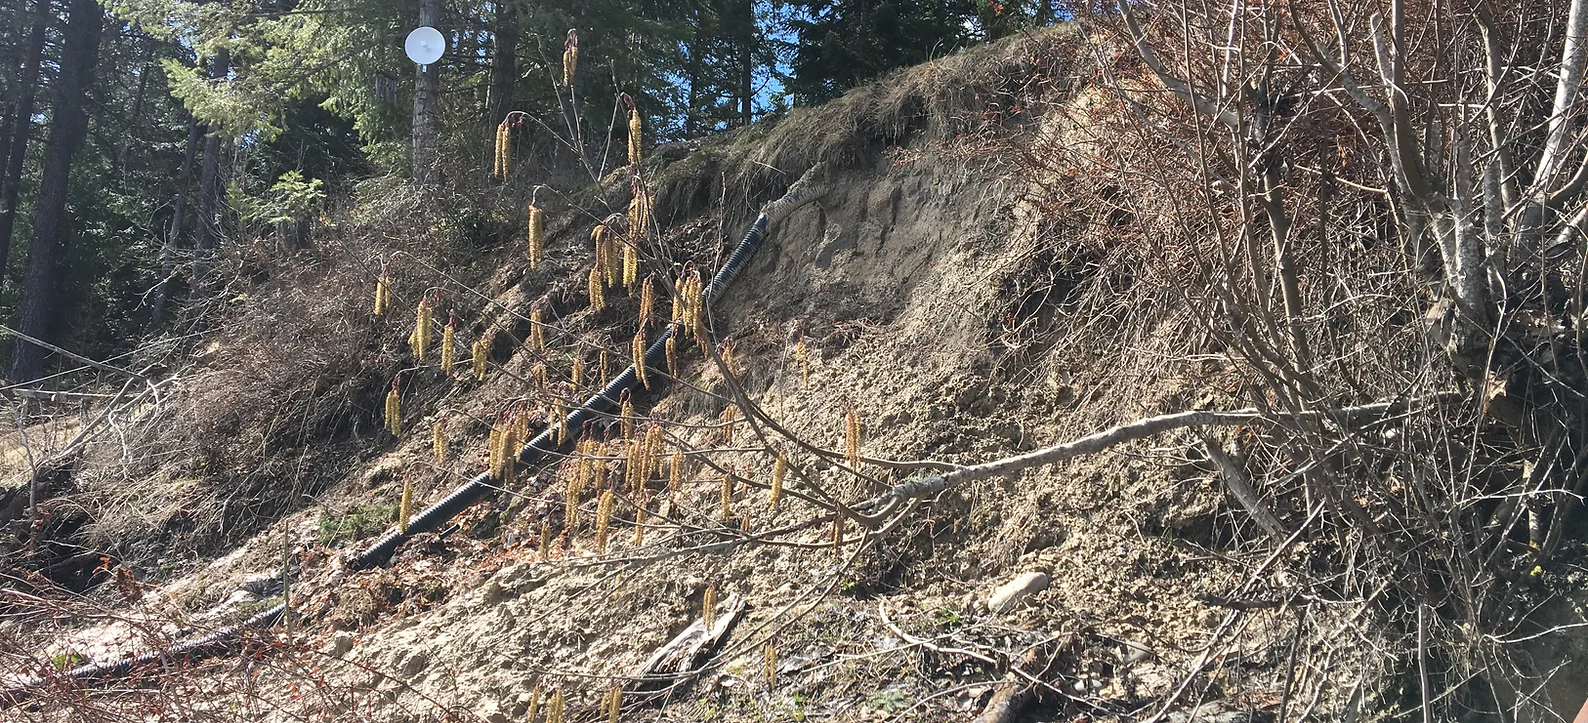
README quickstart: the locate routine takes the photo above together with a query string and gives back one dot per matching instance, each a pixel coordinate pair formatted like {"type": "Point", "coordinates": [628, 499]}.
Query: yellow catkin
{"type": "Point", "coordinates": [675, 474]}
{"type": "Point", "coordinates": [647, 302]}
{"type": "Point", "coordinates": [612, 261]}
{"type": "Point", "coordinates": [480, 350]}
{"type": "Point", "coordinates": [493, 454]}
{"type": "Point", "coordinates": [598, 239]}
{"type": "Point", "coordinates": [504, 149]}
{"type": "Point", "coordinates": [636, 138]}
{"type": "Point", "coordinates": [545, 539]}
{"type": "Point", "coordinates": [694, 307]}
{"type": "Point", "coordinates": [654, 439]}
{"type": "Point", "coordinates": [534, 705]}
{"type": "Point", "coordinates": [852, 435]}
{"type": "Point", "coordinates": [606, 368]}
{"type": "Point", "coordinates": [405, 506]}
{"type": "Point", "coordinates": [438, 441]}
{"type": "Point", "coordinates": [578, 371]}
{"type": "Point", "coordinates": [727, 496]}
{"type": "Point", "coordinates": [598, 299]}
{"type": "Point", "coordinates": [708, 606]}
{"type": "Point", "coordinates": [539, 375]}
{"type": "Point", "coordinates": [779, 470]}
{"type": "Point", "coordinates": [838, 534]}
{"type": "Point", "coordinates": [603, 522]}
{"type": "Point", "coordinates": [631, 265]}
{"type": "Point", "coordinates": [448, 338]}
{"type": "Point", "coordinates": [520, 431]}
{"type": "Point", "coordinates": [393, 411]}
{"type": "Point", "coordinates": [672, 353]}
{"type": "Point", "coordinates": [626, 417]}
{"type": "Point", "coordinates": [537, 329]}
{"type": "Point", "coordinates": [729, 415]}
{"type": "Point", "coordinates": [560, 420]}
{"type": "Point", "coordinates": [537, 235]}
{"type": "Point", "coordinates": [802, 356]}
{"type": "Point", "coordinates": [614, 703]}
{"type": "Point", "coordinates": [554, 709]}
{"type": "Point", "coordinates": [639, 526]}
{"type": "Point", "coordinates": [419, 340]}
{"type": "Point", "coordinates": [570, 59]}
{"type": "Point", "coordinates": [382, 294]}
{"type": "Point", "coordinates": [639, 358]}
{"type": "Point", "coordinates": [570, 507]}
{"type": "Point", "coordinates": [769, 663]}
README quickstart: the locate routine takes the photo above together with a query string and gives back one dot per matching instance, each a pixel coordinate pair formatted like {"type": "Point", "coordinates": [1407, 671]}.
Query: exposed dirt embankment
{"type": "Point", "coordinates": [951, 297]}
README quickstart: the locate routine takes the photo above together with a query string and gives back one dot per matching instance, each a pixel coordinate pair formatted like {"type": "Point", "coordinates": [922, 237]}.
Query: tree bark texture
{"type": "Point", "coordinates": [209, 190]}
{"type": "Point", "coordinates": [20, 131]}
{"type": "Point", "coordinates": [173, 236]}
{"type": "Point", "coordinates": [504, 64]}
{"type": "Point", "coordinates": [68, 128]}
{"type": "Point", "coordinates": [426, 84]}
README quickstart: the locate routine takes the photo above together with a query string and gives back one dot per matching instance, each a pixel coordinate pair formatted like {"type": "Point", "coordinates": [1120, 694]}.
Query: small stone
{"type": "Point", "coordinates": [1017, 590]}
{"type": "Point", "coordinates": [341, 642]}
{"type": "Point", "coordinates": [415, 663]}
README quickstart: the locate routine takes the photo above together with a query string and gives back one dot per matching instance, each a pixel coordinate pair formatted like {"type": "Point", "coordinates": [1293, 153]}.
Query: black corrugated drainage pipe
{"type": "Point", "coordinates": [808, 188]}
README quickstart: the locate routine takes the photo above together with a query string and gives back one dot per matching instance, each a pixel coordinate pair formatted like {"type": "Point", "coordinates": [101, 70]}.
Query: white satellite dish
{"type": "Point", "coordinates": [425, 45]}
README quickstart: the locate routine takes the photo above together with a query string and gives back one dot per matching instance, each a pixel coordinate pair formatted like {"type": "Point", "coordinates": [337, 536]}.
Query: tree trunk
{"type": "Point", "coordinates": [209, 191]}
{"type": "Point", "coordinates": [173, 236]}
{"type": "Point", "coordinates": [504, 66]}
{"type": "Point", "coordinates": [68, 127]}
{"type": "Point", "coordinates": [426, 82]}
{"type": "Point", "coordinates": [746, 61]}
{"type": "Point", "coordinates": [692, 70]}
{"type": "Point", "coordinates": [20, 131]}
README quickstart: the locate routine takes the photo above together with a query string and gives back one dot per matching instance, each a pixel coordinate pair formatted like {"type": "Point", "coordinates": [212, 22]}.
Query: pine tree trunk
{"type": "Point", "coordinates": [504, 66]}
{"type": "Point", "coordinates": [173, 236]}
{"type": "Point", "coordinates": [68, 127]}
{"type": "Point", "coordinates": [21, 131]}
{"type": "Point", "coordinates": [209, 191]}
{"type": "Point", "coordinates": [426, 86]}
{"type": "Point", "coordinates": [746, 66]}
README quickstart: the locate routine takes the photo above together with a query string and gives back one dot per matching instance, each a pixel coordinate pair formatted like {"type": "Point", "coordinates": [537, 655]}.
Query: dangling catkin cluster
{"type": "Point", "coordinates": [480, 350]}
{"type": "Point", "coordinates": [614, 703]}
{"type": "Point", "coordinates": [537, 329]}
{"type": "Point", "coordinates": [448, 337]}
{"type": "Point", "coordinates": [647, 302]}
{"type": "Point", "coordinates": [689, 307]}
{"type": "Point", "coordinates": [779, 470]}
{"type": "Point", "coordinates": [627, 417]}
{"type": "Point", "coordinates": [607, 256]}
{"type": "Point", "coordinates": [675, 474]}
{"type": "Point", "coordinates": [554, 710]}
{"type": "Point", "coordinates": [708, 606]}
{"type": "Point", "coordinates": [393, 410]}
{"type": "Point", "coordinates": [578, 370]}
{"type": "Point", "coordinates": [504, 149]}
{"type": "Point", "coordinates": [639, 219]}
{"type": "Point", "coordinates": [802, 356]}
{"type": "Point", "coordinates": [769, 664]}
{"type": "Point", "coordinates": [537, 235]}
{"type": "Point", "coordinates": [534, 705]}
{"type": "Point", "coordinates": [506, 437]}
{"type": "Point", "coordinates": [405, 505]}
{"type": "Point", "coordinates": [606, 368]}
{"type": "Point", "coordinates": [603, 521]}
{"type": "Point", "coordinates": [852, 435]}
{"type": "Point", "coordinates": [636, 138]}
{"type": "Point", "coordinates": [639, 358]}
{"type": "Point", "coordinates": [382, 293]}
{"type": "Point", "coordinates": [570, 506]}
{"type": "Point", "coordinates": [438, 441]}
{"type": "Point", "coordinates": [729, 414]}
{"type": "Point", "coordinates": [598, 299]}
{"type": "Point", "coordinates": [419, 340]}
{"type": "Point", "coordinates": [672, 353]}
{"type": "Point", "coordinates": [570, 59]}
